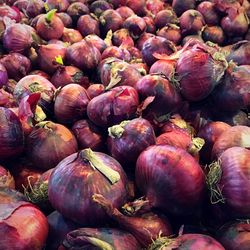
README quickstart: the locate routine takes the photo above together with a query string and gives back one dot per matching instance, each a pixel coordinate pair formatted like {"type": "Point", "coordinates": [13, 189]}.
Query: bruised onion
{"type": "Point", "coordinates": [135, 25]}
{"type": "Point", "coordinates": [185, 187]}
{"type": "Point", "coordinates": [87, 25]}
{"type": "Point", "coordinates": [99, 6]}
{"type": "Point", "coordinates": [65, 75]}
{"type": "Point", "coordinates": [128, 139]}
{"type": "Point", "coordinates": [95, 90]}
{"type": "Point", "coordinates": [114, 106]}
{"type": "Point", "coordinates": [3, 75]}
{"type": "Point", "coordinates": [209, 12]}
{"type": "Point", "coordinates": [93, 238]}
{"type": "Point", "coordinates": [23, 225]}
{"type": "Point", "coordinates": [83, 55]}
{"type": "Point", "coordinates": [213, 34]}
{"type": "Point", "coordinates": [125, 12]}
{"type": "Point", "coordinates": [60, 5]}
{"type": "Point", "coordinates": [236, 136]}
{"type": "Point", "coordinates": [145, 229]}
{"type": "Point", "coordinates": [71, 36]}
{"type": "Point", "coordinates": [48, 137]}
{"type": "Point", "coordinates": [12, 136]}
{"type": "Point", "coordinates": [165, 17]}
{"type": "Point", "coordinates": [49, 26]}
{"type": "Point", "coordinates": [88, 135]}
{"type": "Point", "coordinates": [6, 179]}
{"type": "Point", "coordinates": [71, 103]}
{"type": "Point", "coordinates": [77, 177]}
{"type": "Point", "coordinates": [228, 181]}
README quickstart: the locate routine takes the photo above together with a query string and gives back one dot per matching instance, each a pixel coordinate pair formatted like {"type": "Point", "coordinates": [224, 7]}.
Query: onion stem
{"type": "Point", "coordinates": [117, 131]}
{"type": "Point", "coordinates": [50, 15]}
{"type": "Point", "coordinates": [98, 243]}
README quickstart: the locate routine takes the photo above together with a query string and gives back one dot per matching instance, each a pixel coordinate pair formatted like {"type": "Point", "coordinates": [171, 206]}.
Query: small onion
{"type": "Point", "coordinates": [49, 143]}
{"type": "Point", "coordinates": [139, 6]}
{"type": "Point", "coordinates": [135, 25]}
{"type": "Point", "coordinates": [150, 25]}
{"type": "Point", "coordinates": [11, 12]}
{"type": "Point", "coordinates": [60, 5]}
{"type": "Point", "coordinates": [66, 19]}
{"type": "Point", "coordinates": [75, 10]}
{"type": "Point", "coordinates": [125, 12]}
{"type": "Point", "coordinates": [209, 12]}
{"type": "Point", "coordinates": [165, 17]}
{"type": "Point", "coordinates": [96, 41]}
{"type": "Point", "coordinates": [71, 36]}
{"type": "Point", "coordinates": [87, 25]}
{"type": "Point", "coordinates": [99, 6]}
{"type": "Point", "coordinates": [122, 36]}
{"type": "Point", "coordinates": [163, 67]}
{"type": "Point", "coordinates": [34, 8]}
{"type": "Point", "coordinates": [95, 90]}
{"type": "Point", "coordinates": [213, 34]}
{"type": "Point", "coordinates": [180, 6]}
{"type": "Point", "coordinates": [171, 32]}
{"type": "Point", "coordinates": [6, 179]}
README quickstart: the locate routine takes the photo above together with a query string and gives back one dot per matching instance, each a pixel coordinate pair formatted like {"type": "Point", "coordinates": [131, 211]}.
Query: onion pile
{"type": "Point", "coordinates": [124, 124]}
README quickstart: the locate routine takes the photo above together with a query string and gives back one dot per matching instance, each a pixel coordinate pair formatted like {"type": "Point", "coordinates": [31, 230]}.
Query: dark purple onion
{"type": "Point", "coordinates": [208, 10]}
{"type": "Point", "coordinates": [17, 65]}
{"type": "Point", "coordinates": [180, 6]}
{"type": "Point", "coordinates": [99, 6]}
{"type": "Point", "coordinates": [87, 25]}
{"type": "Point", "coordinates": [135, 25]}
{"type": "Point", "coordinates": [165, 17]}
{"type": "Point", "coordinates": [77, 9]}
{"type": "Point", "coordinates": [3, 75]}
{"type": "Point", "coordinates": [71, 103]}
{"type": "Point", "coordinates": [34, 8]}
{"type": "Point", "coordinates": [21, 4]}
{"type": "Point", "coordinates": [125, 12]}
{"type": "Point", "coordinates": [66, 19]}
{"type": "Point", "coordinates": [213, 34]}
{"type": "Point", "coordinates": [88, 135]}
{"type": "Point", "coordinates": [61, 5]}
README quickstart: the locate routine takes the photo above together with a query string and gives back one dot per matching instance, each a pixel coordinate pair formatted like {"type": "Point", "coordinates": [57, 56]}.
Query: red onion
{"type": "Point", "coordinates": [7, 100]}
{"type": "Point", "coordinates": [61, 5]}
{"type": "Point", "coordinates": [34, 8]}
{"type": "Point", "coordinates": [35, 83]}
{"type": "Point", "coordinates": [88, 135]}
{"type": "Point", "coordinates": [199, 71]}
{"type": "Point", "coordinates": [71, 103]}
{"type": "Point", "coordinates": [47, 56]}
{"type": "Point", "coordinates": [180, 6]}
{"type": "Point", "coordinates": [92, 238]}
{"type": "Point", "coordinates": [12, 137]}
{"type": "Point", "coordinates": [83, 55]}
{"type": "Point", "coordinates": [235, 23]}
{"type": "Point", "coordinates": [114, 72]}
{"type": "Point", "coordinates": [66, 19]}
{"type": "Point", "coordinates": [113, 106]}
{"type": "Point", "coordinates": [236, 136]}
{"type": "Point", "coordinates": [40, 73]}
{"type": "Point", "coordinates": [163, 67]}
{"type": "Point", "coordinates": [49, 143]}
{"type": "Point", "coordinates": [195, 38]}
{"type": "Point", "coordinates": [99, 6]}
{"type": "Point", "coordinates": [58, 229]}
{"type": "Point", "coordinates": [77, 9]}
{"type": "Point", "coordinates": [145, 229]}
{"type": "Point", "coordinates": [135, 25]}
{"type": "Point", "coordinates": [71, 36]}
{"type": "Point", "coordinates": [158, 45]}
{"type": "Point", "coordinates": [87, 25]}
{"type": "Point", "coordinates": [117, 52]}
{"type": "Point", "coordinates": [139, 6]}
{"type": "Point", "coordinates": [49, 26]}
{"type": "Point", "coordinates": [95, 90]}
{"type": "Point", "coordinates": [226, 6]}
{"type": "Point", "coordinates": [187, 242]}
{"type": "Point", "coordinates": [110, 20]}
{"type": "Point", "coordinates": [165, 17]}
{"type": "Point", "coordinates": [117, 3]}
{"type": "Point", "coordinates": [17, 38]}
{"type": "Point", "coordinates": [16, 64]}
{"type": "Point", "coordinates": [171, 32]}
{"type": "Point", "coordinates": [155, 6]}
{"type": "Point", "coordinates": [78, 177]}
{"type": "Point", "coordinates": [209, 13]}
{"type": "Point", "coordinates": [3, 75]}
{"type": "Point", "coordinates": [228, 180]}
{"type": "Point", "coordinates": [128, 139]}
{"type": "Point", "coordinates": [235, 235]}
{"type": "Point", "coordinates": [191, 22]}
{"type": "Point", "coordinates": [210, 133]}
{"type": "Point", "coordinates": [185, 187]}
{"type": "Point", "coordinates": [65, 75]}
{"type": "Point", "coordinates": [150, 25]}
{"type": "Point", "coordinates": [11, 12]}
{"type": "Point", "coordinates": [144, 37]}
{"type": "Point", "coordinates": [240, 53]}
{"type": "Point", "coordinates": [122, 36]}
{"type": "Point", "coordinates": [213, 34]}
{"type": "Point", "coordinates": [6, 179]}
{"type": "Point", "coordinates": [125, 12]}
{"type": "Point", "coordinates": [96, 41]}
{"type": "Point", "coordinates": [22, 224]}
{"type": "Point", "coordinates": [21, 4]}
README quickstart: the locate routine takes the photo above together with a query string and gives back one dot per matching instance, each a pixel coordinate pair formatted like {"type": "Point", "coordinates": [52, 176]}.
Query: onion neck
{"type": "Point", "coordinates": [212, 179]}
{"type": "Point", "coordinates": [117, 131]}
{"type": "Point", "coordinates": [164, 243]}
{"type": "Point", "coordinates": [103, 245]}
{"type": "Point", "coordinates": [137, 207]}
{"type": "Point", "coordinates": [50, 15]}
{"type": "Point", "coordinates": [97, 164]}
{"type": "Point", "coordinates": [196, 145]}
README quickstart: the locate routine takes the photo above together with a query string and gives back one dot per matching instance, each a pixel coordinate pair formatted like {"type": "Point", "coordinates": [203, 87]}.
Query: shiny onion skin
{"type": "Point", "coordinates": [114, 106]}
{"type": "Point", "coordinates": [230, 177]}
{"type": "Point", "coordinates": [162, 166]}
{"type": "Point", "coordinates": [11, 134]}
{"type": "Point", "coordinates": [236, 136]}
{"type": "Point", "coordinates": [163, 67]}
{"type": "Point", "coordinates": [49, 143]}
{"type": "Point", "coordinates": [128, 139]}
{"type": "Point", "coordinates": [23, 225]}
{"type": "Point", "coordinates": [71, 103]}
{"type": "Point", "coordinates": [235, 236]}
{"type": "Point", "coordinates": [74, 181]}
{"type": "Point", "coordinates": [6, 179]}
{"type": "Point", "coordinates": [98, 238]}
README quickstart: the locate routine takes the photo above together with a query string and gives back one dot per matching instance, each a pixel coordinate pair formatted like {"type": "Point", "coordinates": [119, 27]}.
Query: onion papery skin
{"type": "Point", "coordinates": [71, 36]}
{"type": "Point", "coordinates": [234, 182]}
{"type": "Point", "coordinates": [162, 166]}
{"type": "Point", "coordinates": [12, 136]}
{"type": "Point", "coordinates": [6, 179]}
{"type": "Point", "coordinates": [114, 238]}
{"type": "Point", "coordinates": [236, 136]}
{"type": "Point", "coordinates": [235, 236]}
{"type": "Point", "coordinates": [117, 52]}
{"type": "Point", "coordinates": [16, 64]}
{"type": "Point", "coordinates": [88, 135]}
{"type": "Point", "coordinates": [49, 144]}
{"type": "Point", "coordinates": [75, 181]}
{"type": "Point", "coordinates": [126, 146]}
{"type": "Point", "coordinates": [71, 103]}
{"type": "Point", "coordinates": [114, 106]}
{"type": "Point", "coordinates": [210, 133]}
{"type": "Point", "coordinates": [22, 224]}
{"type": "Point", "coordinates": [199, 73]}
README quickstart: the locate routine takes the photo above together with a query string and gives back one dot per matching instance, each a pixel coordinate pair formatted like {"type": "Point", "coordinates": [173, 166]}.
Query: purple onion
{"type": "Point", "coordinates": [34, 8]}
{"type": "Point", "coordinates": [99, 6]}
{"type": "Point", "coordinates": [209, 12]}
{"type": "Point", "coordinates": [96, 41]}
{"type": "Point", "coordinates": [165, 17]}
{"type": "Point", "coordinates": [135, 25]}
{"type": "Point", "coordinates": [125, 12]}
{"type": "Point", "coordinates": [87, 25]}
{"type": "Point", "coordinates": [11, 12]}
{"type": "Point", "coordinates": [75, 10]}
{"type": "Point", "coordinates": [61, 5]}
{"type": "Point", "coordinates": [180, 6]}
{"type": "Point", "coordinates": [71, 36]}
{"type": "Point", "coordinates": [213, 34]}
{"type": "Point", "coordinates": [3, 76]}
{"type": "Point", "coordinates": [66, 19]}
